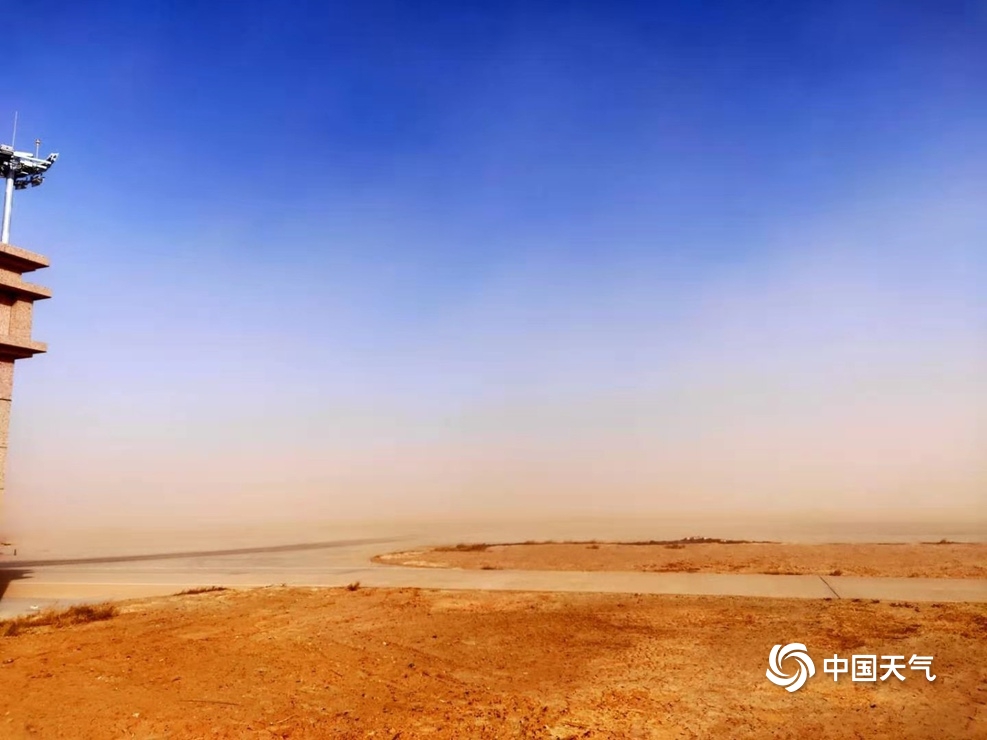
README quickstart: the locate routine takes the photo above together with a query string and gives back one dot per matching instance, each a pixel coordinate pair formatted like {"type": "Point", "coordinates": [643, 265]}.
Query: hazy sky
{"type": "Point", "coordinates": [379, 258]}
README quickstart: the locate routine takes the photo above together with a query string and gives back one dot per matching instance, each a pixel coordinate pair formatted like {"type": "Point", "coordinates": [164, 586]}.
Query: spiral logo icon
{"type": "Point", "coordinates": [792, 682]}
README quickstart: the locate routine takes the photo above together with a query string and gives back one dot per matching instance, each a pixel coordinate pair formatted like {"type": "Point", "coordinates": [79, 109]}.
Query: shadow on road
{"type": "Point", "coordinates": [8, 574]}
{"type": "Point", "coordinates": [7, 566]}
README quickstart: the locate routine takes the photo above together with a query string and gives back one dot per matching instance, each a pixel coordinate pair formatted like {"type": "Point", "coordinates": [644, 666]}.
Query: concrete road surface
{"type": "Point", "coordinates": [77, 570]}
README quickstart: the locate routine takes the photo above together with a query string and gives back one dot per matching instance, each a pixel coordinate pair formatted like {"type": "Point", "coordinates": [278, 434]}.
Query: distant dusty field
{"type": "Point", "coordinates": [333, 663]}
{"type": "Point", "coordinates": [925, 560]}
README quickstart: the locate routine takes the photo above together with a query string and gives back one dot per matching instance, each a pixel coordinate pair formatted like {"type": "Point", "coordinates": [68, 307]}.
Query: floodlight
{"type": "Point", "coordinates": [20, 170]}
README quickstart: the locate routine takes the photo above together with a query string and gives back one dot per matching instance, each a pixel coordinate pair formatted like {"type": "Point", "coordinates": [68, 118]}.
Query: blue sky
{"type": "Point", "coordinates": [439, 255]}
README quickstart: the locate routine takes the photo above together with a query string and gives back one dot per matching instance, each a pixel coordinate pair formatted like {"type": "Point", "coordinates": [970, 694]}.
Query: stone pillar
{"type": "Point", "coordinates": [17, 299]}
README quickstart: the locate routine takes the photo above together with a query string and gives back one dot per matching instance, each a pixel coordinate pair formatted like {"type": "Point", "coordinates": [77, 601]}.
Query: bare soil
{"type": "Point", "coordinates": [919, 560]}
{"type": "Point", "coordinates": [338, 663]}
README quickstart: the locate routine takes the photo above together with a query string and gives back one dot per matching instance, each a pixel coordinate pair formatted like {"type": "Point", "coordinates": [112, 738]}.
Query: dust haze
{"type": "Point", "coordinates": [845, 371]}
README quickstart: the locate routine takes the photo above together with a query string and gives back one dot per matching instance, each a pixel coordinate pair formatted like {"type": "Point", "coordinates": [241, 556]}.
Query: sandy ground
{"type": "Point", "coordinates": [332, 663]}
{"type": "Point", "coordinates": [959, 560]}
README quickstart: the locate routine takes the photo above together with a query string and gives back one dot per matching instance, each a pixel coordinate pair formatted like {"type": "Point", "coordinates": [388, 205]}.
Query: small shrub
{"type": "Point", "coordinates": [355, 586]}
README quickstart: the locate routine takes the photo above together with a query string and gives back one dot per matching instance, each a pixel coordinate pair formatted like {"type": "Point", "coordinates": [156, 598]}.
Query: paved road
{"type": "Point", "coordinates": [40, 581]}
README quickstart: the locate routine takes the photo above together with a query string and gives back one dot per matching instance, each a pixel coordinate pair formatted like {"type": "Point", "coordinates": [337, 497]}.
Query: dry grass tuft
{"type": "Point", "coordinates": [355, 586]}
{"type": "Point", "coordinates": [679, 543]}
{"type": "Point", "coordinates": [80, 614]}
{"type": "Point", "coordinates": [462, 547]}
{"type": "Point", "coordinates": [594, 544]}
{"type": "Point", "coordinates": [201, 590]}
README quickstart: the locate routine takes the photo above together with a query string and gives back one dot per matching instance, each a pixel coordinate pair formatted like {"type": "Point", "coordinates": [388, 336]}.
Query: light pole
{"type": "Point", "coordinates": [20, 170]}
